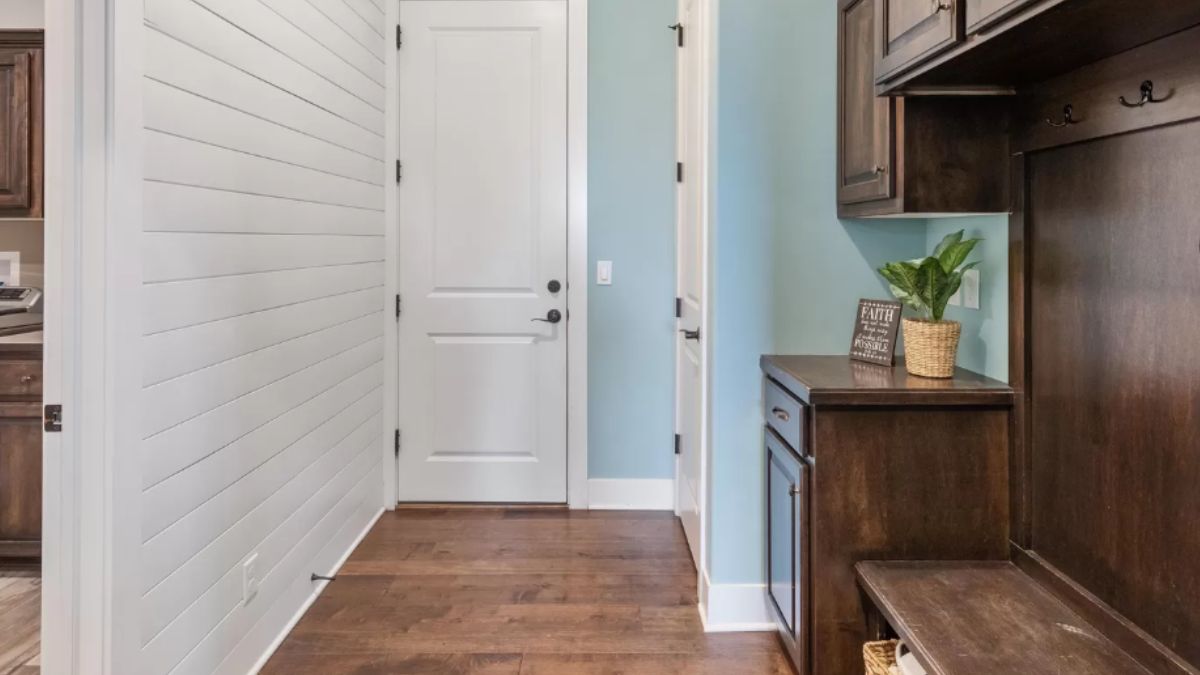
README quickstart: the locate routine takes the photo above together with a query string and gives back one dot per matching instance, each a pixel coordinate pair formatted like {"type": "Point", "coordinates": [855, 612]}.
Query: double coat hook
{"type": "Point", "coordinates": [1068, 117]}
{"type": "Point", "coordinates": [1147, 96]}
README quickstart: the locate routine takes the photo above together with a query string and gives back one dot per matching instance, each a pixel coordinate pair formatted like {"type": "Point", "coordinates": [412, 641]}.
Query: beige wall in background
{"type": "Point", "coordinates": [21, 14]}
{"type": "Point", "coordinates": [25, 236]}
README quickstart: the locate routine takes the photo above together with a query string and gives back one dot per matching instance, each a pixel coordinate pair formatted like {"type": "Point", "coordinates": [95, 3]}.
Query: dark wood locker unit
{"type": "Point", "coordinates": [21, 122]}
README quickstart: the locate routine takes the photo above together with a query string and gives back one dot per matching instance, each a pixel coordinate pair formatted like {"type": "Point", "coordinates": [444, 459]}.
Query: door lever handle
{"type": "Point", "coordinates": [691, 334]}
{"type": "Point", "coordinates": [553, 316]}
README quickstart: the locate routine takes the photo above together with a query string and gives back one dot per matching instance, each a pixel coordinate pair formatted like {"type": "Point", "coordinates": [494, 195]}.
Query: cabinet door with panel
{"type": "Point", "coordinates": [20, 125]}
{"type": "Point", "coordinates": [20, 479]}
{"type": "Point", "coordinates": [865, 132]}
{"type": "Point", "coordinates": [787, 546]}
{"type": "Point", "coordinates": [984, 13]}
{"type": "Point", "coordinates": [911, 31]}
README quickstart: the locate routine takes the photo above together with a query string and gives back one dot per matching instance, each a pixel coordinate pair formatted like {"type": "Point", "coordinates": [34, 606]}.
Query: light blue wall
{"type": "Point", "coordinates": [631, 214]}
{"type": "Point", "coordinates": [787, 273]}
{"type": "Point", "coordinates": [984, 344]}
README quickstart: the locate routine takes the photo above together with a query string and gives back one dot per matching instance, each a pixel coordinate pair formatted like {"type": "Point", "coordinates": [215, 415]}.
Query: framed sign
{"type": "Point", "coordinates": [875, 328]}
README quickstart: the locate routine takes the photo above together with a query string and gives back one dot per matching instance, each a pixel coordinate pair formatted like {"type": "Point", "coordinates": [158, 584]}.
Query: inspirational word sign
{"type": "Point", "coordinates": [875, 328]}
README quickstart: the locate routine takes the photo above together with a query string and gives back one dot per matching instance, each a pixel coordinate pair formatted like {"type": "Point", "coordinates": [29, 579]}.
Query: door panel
{"type": "Point", "coordinates": [983, 13]}
{"type": "Point", "coordinates": [483, 231]}
{"type": "Point", "coordinates": [690, 207]}
{"type": "Point", "coordinates": [16, 113]}
{"type": "Point", "coordinates": [865, 120]}
{"type": "Point", "coordinates": [787, 543]}
{"type": "Point", "coordinates": [912, 31]}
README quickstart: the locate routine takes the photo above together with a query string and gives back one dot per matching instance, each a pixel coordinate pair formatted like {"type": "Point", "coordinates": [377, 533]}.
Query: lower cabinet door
{"type": "Point", "coordinates": [787, 546]}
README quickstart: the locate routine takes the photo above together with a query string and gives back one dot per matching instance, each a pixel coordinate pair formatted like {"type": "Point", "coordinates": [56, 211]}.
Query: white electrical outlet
{"type": "Point", "coordinates": [970, 289]}
{"type": "Point", "coordinates": [250, 580]}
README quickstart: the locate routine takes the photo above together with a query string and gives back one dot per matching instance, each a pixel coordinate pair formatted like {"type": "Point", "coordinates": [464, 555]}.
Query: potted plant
{"type": "Point", "coordinates": [925, 285]}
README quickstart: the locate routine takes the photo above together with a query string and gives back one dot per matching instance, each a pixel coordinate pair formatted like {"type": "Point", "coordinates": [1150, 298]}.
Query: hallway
{"type": "Point", "coordinates": [529, 592]}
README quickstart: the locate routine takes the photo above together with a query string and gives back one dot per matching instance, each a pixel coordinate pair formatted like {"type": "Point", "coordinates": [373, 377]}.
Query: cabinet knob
{"type": "Point", "coordinates": [942, 6]}
{"type": "Point", "coordinates": [27, 379]}
{"type": "Point", "coordinates": [880, 169]}
{"type": "Point", "coordinates": [794, 491]}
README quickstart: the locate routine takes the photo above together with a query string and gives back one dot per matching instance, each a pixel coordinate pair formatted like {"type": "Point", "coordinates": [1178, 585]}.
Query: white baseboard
{"type": "Point", "coordinates": [734, 608]}
{"type": "Point", "coordinates": [642, 494]}
{"type": "Point", "coordinates": [287, 629]}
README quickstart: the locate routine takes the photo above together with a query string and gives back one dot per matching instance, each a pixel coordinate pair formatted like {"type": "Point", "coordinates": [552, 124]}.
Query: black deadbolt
{"type": "Point", "coordinates": [554, 286]}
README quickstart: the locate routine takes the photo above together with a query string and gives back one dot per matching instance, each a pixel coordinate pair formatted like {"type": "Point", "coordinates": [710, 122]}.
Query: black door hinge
{"type": "Point", "coordinates": [399, 36]}
{"type": "Point", "coordinates": [399, 171]}
{"type": "Point", "coordinates": [678, 172]}
{"type": "Point", "coordinates": [678, 308]}
{"type": "Point", "coordinates": [678, 443]}
{"type": "Point", "coordinates": [52, 416]}
{"type": "Point", "coordinates": [399, 307]}
{"type": "Point", "coordinates": [397, 443]}
{"type": "Point", "coordinates": [678, 28]}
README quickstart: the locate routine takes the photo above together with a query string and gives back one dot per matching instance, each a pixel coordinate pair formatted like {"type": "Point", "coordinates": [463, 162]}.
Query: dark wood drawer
{"type": "Point", "coordinates": [21, 379]}
{"type": "Point", "coordinates": [785, 415]}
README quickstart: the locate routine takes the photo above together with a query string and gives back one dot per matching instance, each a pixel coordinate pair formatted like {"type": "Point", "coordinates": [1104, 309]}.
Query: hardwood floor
{"type": "Point", "coordinates": [519, 592]}
{"type": "Point", "coordinates": [20, 616]}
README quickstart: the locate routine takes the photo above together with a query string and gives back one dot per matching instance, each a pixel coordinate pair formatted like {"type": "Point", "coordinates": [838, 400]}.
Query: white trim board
{"type": "Point", "coordinates": [287, 629]}
{"type": "Point", "coordinates": [734, 608]}
{"type": "Point", "coordinates": [633, 494]}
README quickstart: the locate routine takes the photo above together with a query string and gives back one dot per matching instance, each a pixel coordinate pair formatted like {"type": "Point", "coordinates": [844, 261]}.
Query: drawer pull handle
{"type": "Point", "coordinates": [781, 414]}
{"type": "Point", "coordinates": [27, 379]}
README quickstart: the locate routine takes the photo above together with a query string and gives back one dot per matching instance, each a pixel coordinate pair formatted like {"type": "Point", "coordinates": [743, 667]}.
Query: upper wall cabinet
{"type": "Point", "coordinates": [914, 156]}
{"type": "Point", "coordinates": [911, 31]}
{"type": "Point", "coordinates": [20, 125]}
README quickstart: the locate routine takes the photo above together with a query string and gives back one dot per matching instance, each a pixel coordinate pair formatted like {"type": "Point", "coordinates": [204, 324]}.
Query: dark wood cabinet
{"type": "Point", "coordinates": [20, 451]}
{"type": "Point", "coordinates": [20, 125]}
{"type": "Point", "coordinates": [916, 155]}
{"type": "Point", "coordinates": [984, 13]}
{"type": "Point", "coordinates": [787, 545]}
{"type": "Point", "coordinates": [911, 31]}
{"type": "Point", "coordinates": [893, 467]}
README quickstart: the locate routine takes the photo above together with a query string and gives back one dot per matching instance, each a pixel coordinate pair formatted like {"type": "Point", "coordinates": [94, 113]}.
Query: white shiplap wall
{"type": "Point", "coordinates": [263, 314]}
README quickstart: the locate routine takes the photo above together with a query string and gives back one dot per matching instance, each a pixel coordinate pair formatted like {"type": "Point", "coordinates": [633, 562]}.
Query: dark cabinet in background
{"type": "Point", "coordinates": [787, 545]}
{"type": "Point", "coordinates": [911, 31]}
{"type": "Point", "coordinates": [20, 124]}
{"type": "Point", "coordinates": [916, 155]}
{"type": "Point", "coordinates": [20, 451]}
{"type": "Point", "coordinates": [984, 13]}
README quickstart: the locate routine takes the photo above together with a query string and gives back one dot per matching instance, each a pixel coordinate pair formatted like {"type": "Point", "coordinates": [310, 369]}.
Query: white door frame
{"type": "Point", "coordinates": [577, 257]}
{"type": "Point", "coordinates": [92, 334]}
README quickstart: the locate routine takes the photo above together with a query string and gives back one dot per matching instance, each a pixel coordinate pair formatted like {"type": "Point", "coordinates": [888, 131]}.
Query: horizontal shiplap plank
{"type": "Point", "coordinates": [175, 401]}
{"type": "Point", "coordinates": [183, 445]}
{"type": "Point", "coordinates": [188, 303]}
{"type": "Point", "coordinates": [191, 23]}
{"type": "Point", "coordinates": [370, 13]}
{"type": "Point", "coordinates": [306, 17]}
{"type": "Point", "coordinates": [350, 22]}
{"type": "Point", "coordinates": [258, 20]}
{"type": "Point", "coordinates": [191, 554]}
{"type": "Point", "coordinates": [287, 551]}
{"type": "Point", "coordinates": [172, 256]}
{"type": "Point", "coordinates": [180, 113]}
{"type": "Point", "coordinates": [173, 353]}
{"type": "Point", "coordinates": [168, 207]}
{"type": "Point", "coordinates": [173, 159]}
{"type": "Point", "coordinates": [182, 65]}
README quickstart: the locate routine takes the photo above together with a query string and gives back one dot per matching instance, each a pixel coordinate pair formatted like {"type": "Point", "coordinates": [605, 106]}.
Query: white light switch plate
{"type": "Point", "coordinates": [604, 273]}
{"type": "Point", "coordinates": [970, 289]}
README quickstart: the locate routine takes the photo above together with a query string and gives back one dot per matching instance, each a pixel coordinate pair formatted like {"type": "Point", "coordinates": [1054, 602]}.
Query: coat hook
{"type": "Point", "coordinates": [1147, 96]}
{"type": "Point", "coordinates": [1067, 119]}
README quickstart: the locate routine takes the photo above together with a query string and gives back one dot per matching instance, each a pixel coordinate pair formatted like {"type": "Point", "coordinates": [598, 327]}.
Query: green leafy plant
{"type": "Point", "coordinates": [926, 284]}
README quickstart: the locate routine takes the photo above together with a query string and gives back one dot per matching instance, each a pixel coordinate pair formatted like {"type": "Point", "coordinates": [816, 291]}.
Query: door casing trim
{"type": "Point", "coordinates": [577, 260]}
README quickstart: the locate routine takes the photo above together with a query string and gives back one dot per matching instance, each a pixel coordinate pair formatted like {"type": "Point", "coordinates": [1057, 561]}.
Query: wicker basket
{"type": "Point", "coordinates": [930, 347]}
{"type": "Point", "coordinates": [880, 657]}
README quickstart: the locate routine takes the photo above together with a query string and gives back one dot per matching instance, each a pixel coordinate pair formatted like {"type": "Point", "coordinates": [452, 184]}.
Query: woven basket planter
{"type": "Point", "coordinates": [880, 657]}
{"type": "Point", "coordinates": [930, 347]}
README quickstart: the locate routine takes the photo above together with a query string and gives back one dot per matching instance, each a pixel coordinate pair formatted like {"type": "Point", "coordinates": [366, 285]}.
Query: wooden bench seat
{"type": "Point", "coordinates": [974, 618]}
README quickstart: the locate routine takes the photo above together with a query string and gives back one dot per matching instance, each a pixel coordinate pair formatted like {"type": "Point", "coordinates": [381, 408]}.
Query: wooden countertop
{"type": "Point", "coordinates": [838, 380]}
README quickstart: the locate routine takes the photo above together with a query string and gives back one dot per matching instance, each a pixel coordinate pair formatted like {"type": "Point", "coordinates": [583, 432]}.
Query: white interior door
{"type": "Point", "coordinates": [690, 361]}
{"type": "Point", "coordinates": [483, 222]}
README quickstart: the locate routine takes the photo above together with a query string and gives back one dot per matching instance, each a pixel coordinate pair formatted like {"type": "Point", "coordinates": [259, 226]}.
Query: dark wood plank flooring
{"type": "Point", "coordinates": [519, 592]}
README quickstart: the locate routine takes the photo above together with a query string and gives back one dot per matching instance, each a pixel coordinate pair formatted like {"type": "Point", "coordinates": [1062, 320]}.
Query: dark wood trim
{"type": "Point", "coordinates": [1137, 643]}
{"type": "Point", "coordinates": [1018, 350]}
{"type": "Point", "coordinates": [32, 39]}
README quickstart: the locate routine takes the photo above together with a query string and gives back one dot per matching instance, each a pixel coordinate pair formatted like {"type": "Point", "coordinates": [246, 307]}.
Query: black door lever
{"type": "Point", "coordinates": [553, 316]}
